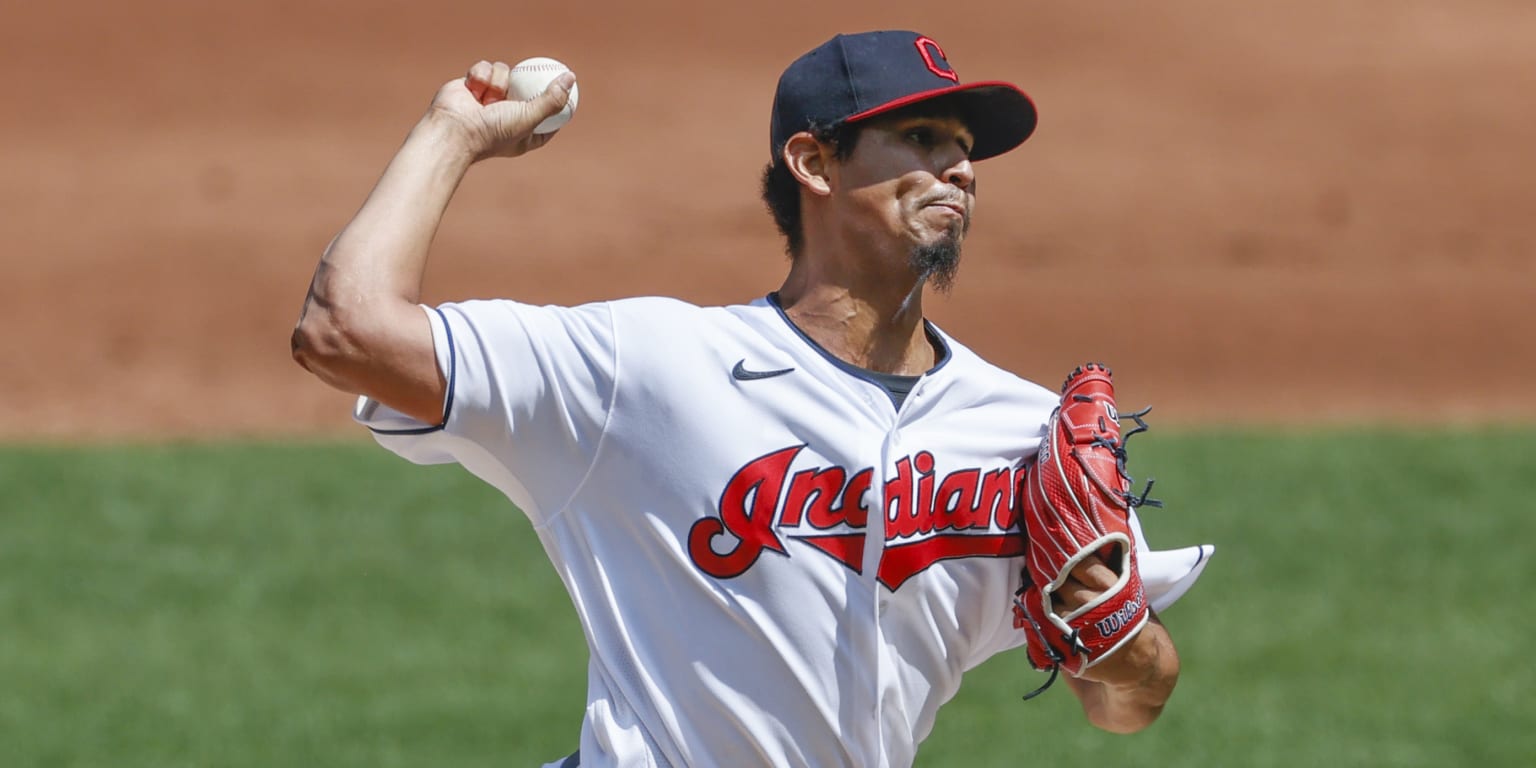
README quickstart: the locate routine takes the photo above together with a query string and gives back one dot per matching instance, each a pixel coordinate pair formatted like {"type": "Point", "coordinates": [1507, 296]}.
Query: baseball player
{"type": "Point", "coordinates": [788, 526]}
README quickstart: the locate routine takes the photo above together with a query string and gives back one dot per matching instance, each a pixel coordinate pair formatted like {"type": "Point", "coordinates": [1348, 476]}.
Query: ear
{"type": "Point", "coordinates": [810, 161]}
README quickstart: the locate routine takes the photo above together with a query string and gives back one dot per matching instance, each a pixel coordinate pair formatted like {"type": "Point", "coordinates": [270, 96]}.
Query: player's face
{"type": "Point", "coordinates": [910, 180]}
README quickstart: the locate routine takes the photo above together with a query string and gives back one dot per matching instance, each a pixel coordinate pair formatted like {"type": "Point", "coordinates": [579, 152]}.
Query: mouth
{"type": "Point", "coordinates": [955, 216]}
{"type": "Point", "coordinates": [952, 216]}
{"type": "Point", "coordinates": [949, 205]}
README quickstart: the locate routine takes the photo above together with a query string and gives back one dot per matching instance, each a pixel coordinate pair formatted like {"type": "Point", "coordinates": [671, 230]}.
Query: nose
{"type": "Point", "coordinates": [961, 173]}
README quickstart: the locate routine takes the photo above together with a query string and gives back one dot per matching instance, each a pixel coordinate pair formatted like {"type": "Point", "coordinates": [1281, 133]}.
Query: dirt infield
{"type": "Point", "coordinates": [1259, 212]}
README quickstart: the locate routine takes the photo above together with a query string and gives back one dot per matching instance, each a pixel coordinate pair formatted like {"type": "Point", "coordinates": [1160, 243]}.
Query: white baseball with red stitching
{"type": "Point", "coordinates": [530, 77]}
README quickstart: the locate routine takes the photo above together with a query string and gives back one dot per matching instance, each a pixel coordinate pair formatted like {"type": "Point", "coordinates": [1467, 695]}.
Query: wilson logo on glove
{"type": "Point", "coordinates": [1075, 502]}
{"type": "Point", "coordinates": [1120, 619]}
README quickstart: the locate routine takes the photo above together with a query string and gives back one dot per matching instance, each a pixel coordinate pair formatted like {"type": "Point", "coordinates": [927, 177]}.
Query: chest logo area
{"type": "Point", "coordinates": [742, 373]}
{"type": "Point", "coordinates": [928, 518]}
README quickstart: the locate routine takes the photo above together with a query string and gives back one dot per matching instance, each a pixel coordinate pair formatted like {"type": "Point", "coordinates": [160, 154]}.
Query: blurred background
{"type": "Point", "coordinates": [1259, 212]}
{"type": "Point", "coordinates": [1302, 230]}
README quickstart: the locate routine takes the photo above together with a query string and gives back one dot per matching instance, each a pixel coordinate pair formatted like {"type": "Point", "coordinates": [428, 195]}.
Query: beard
{"type": "Point", "coordinates": [936, 263]}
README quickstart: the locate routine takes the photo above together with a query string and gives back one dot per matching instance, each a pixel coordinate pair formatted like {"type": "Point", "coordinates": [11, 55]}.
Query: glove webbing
{"type": "Point", "coordinates": [1118, 449]}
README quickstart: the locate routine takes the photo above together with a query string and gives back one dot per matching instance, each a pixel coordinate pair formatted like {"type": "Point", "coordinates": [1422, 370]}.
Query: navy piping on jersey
{"type": "Point", "coordinates": [874, 377]}
{"type": "Point", "coordinates": [453, 368]}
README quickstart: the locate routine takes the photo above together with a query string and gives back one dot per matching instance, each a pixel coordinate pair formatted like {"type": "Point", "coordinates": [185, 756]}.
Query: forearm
{"type": "Point", "coordinates": [368, 281]}
{"type": "Point", "coordinates": [360, 330]}
{"type": "Point", "coordinates": [381, 254]}
{"type": "Point", "coordinates": [1126, 692]}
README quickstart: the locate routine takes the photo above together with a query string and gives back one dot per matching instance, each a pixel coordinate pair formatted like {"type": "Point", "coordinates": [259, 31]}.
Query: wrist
{"type": "Point", "coordinates": [1146, 662]}
{"type": "Point", "coordinates": [445, 137]}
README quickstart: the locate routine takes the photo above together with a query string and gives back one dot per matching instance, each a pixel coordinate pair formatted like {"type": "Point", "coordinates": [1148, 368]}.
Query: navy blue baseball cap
{"type": "Point", "coordinates": [856, 77]}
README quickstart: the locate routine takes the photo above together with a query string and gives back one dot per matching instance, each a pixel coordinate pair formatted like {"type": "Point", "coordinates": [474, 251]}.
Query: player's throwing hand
{"type": "Point", "coordinates": [491, 125]}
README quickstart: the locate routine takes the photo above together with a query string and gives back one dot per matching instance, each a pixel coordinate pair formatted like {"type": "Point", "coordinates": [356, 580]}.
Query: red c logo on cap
{"type": "Point", "coordinates": [928, 48]}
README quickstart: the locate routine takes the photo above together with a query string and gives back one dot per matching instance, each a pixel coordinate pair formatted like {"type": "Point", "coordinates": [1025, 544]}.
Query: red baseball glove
{"type": "Point", "coordinates": [1075, 501]}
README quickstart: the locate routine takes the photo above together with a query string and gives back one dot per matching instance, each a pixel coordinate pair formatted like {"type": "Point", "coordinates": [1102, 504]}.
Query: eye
{"type": "Point", "coordinates": [922, 136]}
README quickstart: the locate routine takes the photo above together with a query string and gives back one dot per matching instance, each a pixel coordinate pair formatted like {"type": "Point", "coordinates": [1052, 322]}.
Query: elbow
{"type": "Point", "coordinates": [1134, 686]}
{"type": "Point", "coordinates": [322, 345]}
{"type": "Point", "coordinates": [308, 343]}
{"type": "Point", "coordinates": [1126, 721]}
{"type": "Point", "coordinates": [1134, 707]}
{"type": "Point", "coordinates": [1125, 711]}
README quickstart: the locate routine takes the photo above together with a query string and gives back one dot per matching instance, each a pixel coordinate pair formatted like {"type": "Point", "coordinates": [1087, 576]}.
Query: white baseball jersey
{"type": "Point", "coordinates": [704, 481]}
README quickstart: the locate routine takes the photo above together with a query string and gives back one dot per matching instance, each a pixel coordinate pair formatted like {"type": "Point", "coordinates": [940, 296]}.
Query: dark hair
{"type": "Point", "coordinates": [781, 190]}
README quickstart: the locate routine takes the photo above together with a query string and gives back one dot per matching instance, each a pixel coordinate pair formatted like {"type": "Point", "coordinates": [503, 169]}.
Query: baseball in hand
{"type": "Point", "coordinates": [530, 77]}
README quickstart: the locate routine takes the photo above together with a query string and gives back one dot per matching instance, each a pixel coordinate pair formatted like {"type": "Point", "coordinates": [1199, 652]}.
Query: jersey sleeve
{"type": "Point", "coordinates": [529, 390]}
{"type": "Point", "coordinates": [1166, 574]}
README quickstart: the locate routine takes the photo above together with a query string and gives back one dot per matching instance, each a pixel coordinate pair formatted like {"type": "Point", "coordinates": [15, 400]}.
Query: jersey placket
{"type": "Point", "coordinates": [885, 687]}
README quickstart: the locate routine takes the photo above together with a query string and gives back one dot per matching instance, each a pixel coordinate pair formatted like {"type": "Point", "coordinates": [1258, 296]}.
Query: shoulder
{"type": "Point", "coordinates": [682, 317]}
{"type": "Point", "coordinates": [637, 317]}
{"type": "Point", "coordinates": [660, 308]}
{"type": "Point", "coordinates": [629, 311]}
{"type": "Point", "coordinates": [499, 321]}
{"type": "Point", "coordinates": [966, 367]}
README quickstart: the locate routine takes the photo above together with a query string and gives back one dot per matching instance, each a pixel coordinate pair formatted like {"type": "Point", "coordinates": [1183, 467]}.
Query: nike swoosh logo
{"type": "Point", "coordinates": [740, 372]}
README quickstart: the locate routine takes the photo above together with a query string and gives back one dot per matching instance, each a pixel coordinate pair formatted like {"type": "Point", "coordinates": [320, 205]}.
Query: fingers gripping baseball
{"type": "Point", "coordinates": [487, 82]}
{"type": "Point", "coordinates": [495, 125]}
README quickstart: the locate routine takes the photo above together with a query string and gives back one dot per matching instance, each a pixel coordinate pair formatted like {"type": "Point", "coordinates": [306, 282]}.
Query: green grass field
{"type": "Point", "coordinates": [332, 605]}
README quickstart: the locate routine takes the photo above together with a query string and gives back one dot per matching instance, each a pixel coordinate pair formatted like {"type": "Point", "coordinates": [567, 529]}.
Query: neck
{"type": "Point", "coordinates": [869, 320]}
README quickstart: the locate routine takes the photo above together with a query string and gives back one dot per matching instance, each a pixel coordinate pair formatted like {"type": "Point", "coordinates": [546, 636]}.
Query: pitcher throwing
{"type": "Point", "coordinates": [787, 526]}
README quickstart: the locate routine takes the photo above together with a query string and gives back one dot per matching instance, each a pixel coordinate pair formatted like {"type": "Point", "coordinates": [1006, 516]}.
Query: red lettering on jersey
{"type": "Point", "coordinates": [923, 463]}
{"type": "Point", "coordinates": [937, 62]}
{"type": "Point", "coordinates": [997, 498]}
{"type": "Point", "coordinates": [847, 549]}
{"type": "Point", "coordinates": [957, 499]}
{"type": "Point", "coordinates": [899, 521]}
{"type": "Point", "coordinates": [903, 561]}
{"type": "Point", "coordinates": [853, 498]}
{"type": "Point", "coordinates": [917, 516]}
{"type": "Point", "coordinates": [811, 493]}
{"type": "Point", "coordinates": [926, 518]}
{"type": "Point", "coordinates": [762, 479]}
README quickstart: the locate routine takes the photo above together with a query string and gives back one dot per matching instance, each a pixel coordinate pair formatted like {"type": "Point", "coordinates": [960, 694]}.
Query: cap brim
{"type": "Point", "coordinates": [999, 115]}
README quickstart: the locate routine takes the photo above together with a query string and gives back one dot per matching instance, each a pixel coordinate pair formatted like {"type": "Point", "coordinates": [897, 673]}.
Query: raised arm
{"type": "Point", "coordinates": [361, 330]}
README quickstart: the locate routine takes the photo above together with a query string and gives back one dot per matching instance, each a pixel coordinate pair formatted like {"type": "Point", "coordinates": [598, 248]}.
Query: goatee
{"type": "Point", "coordinates": [936, 263]}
